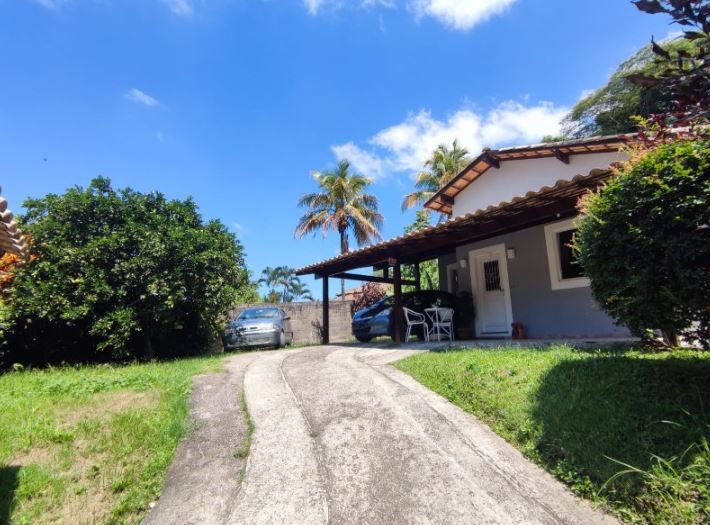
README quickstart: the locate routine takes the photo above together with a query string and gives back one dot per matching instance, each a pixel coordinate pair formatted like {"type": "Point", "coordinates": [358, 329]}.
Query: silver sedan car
{"type": "Point", "coordinates": [263, 326]}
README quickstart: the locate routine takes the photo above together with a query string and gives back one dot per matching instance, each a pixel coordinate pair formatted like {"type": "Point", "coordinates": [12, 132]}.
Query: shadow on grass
{"type": "Point", "coordinates": [621, 407]}
{"type": "Point", "coordinates": [9, 479]}
{"type": "Point", "coordinates": [532, 345]}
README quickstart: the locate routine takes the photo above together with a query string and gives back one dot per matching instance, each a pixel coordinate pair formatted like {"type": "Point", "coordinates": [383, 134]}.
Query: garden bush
{"type": "Point", "coordinates": [644, 241]}
{"type": "Point", "coordinates": [118, 274]}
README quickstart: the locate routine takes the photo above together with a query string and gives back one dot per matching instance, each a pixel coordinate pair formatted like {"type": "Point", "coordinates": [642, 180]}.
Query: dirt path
{"type": "Point", "coordinates": [341, 437]}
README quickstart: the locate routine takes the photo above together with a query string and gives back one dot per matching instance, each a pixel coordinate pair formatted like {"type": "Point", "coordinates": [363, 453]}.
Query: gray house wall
{"type": "Point", "coordinates": [444, 261]}
{"type": "Point", "coordinates": [544, 312]}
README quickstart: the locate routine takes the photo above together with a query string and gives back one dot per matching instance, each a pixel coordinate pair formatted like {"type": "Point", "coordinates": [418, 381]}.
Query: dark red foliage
{"type": "Point", "coordinates": [684, 74]}
{"type": "Point", "coordinates": [368, 294]}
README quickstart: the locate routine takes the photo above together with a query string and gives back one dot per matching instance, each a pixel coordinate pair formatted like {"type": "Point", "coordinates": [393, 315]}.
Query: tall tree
{"type": "Point", "coordinates": [341, 205]}
{"type": "Point", "coordinates": [279, 277]}
{"type": "Point", "coordinates": [270, 277]}
{"type": "Point", "coordinates": [122, 274]}
{"type": "Point", "coordinates": [681, 72]}
{"type": "Point", "coordinates": [428, 270]}
{"type": "Point", "coordinates": [443, 165]}
{"type": "Point", "coordinates": [611, 108]}
{"type": "Point", "coordinates": [299, 290]}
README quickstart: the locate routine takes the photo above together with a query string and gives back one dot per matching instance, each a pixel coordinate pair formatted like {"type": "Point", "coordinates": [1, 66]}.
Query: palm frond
{"type": "Point", "coordinates": [342, 205]}
{"type": "Point", "coordinates": [443, 165]}
{"type": "Point", "coordinates": [416, 198]}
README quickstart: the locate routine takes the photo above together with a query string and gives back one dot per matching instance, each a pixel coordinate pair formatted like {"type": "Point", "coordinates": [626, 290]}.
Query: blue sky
{"type": "Point", "coordinates": [235, 102]}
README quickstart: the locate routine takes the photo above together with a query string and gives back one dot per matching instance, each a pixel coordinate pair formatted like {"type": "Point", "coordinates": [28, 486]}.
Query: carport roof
{"type": "Point", "coordinates": [535, 207]}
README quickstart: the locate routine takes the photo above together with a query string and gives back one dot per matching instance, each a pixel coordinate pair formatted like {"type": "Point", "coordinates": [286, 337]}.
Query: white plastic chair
{"type": "Point", "coordinates": [442, 323]}
{"type": "Point", "coordinates": [414, 319]}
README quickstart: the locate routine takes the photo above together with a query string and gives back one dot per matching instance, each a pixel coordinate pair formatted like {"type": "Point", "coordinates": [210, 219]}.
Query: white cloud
{"type": "Point", "coordinates": [672, 34]}
{"type": "Point", "coordinates": [136, 95]}
{"type": "Point", "coordinates": [514, 122]}
{"type": "Point", "coordinates": [455, 14]}
{"type": "Point", "coordinates": [459, 14]}
{"type": "Point", "coordinates": [313, 6]}
{"type": "Point", "coordinates": [238, 228]}
{"type": "Point", "coordinates": [51, 4]}
{"type": "Point", "coordinates": [364, 162]}
{"type": "Point", "coordinates": [405, 146]}
{"type": "Point", "coordinates": [383, 27]}
{"type": "Point", "coordinates": [179, 7]}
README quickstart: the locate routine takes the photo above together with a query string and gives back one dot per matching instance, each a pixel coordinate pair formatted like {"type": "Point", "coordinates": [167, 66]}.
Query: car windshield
{"type": "Point", "coordinates": [387, 301]}
{"type": "Point", "coordinates": [258, 313]}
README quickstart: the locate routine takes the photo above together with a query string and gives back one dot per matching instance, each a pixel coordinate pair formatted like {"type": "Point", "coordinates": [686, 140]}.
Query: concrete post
{"type": "Point", "coordinates": [326, 312]}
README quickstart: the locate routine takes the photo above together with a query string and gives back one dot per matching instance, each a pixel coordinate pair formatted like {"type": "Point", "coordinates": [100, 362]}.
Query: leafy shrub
{"type": "Point", "coordinates": [369, 294]}
{"type": "Point", "coordinates": [644, 241]}
{"type": "Point", "coordinates": [119, 274]}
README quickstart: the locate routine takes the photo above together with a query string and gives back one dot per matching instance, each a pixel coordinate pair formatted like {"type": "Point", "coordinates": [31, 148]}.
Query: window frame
{"type": "Point", "coordinates": [553, 256]}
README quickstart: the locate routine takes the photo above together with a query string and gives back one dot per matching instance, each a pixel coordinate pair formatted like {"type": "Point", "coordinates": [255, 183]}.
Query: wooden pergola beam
{"type": "Point", "coordinates": [562, 157]}
{"type": "Point", "coordinates": [450, 201]}
{"type": "Point", "coordinates": [397, 308]}
{"type": "Point", "coordinates": [371, 278]}
{"type": "Point", "coordinates": [491, 160]}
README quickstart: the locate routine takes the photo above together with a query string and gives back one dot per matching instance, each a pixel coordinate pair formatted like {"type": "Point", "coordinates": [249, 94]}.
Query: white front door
{"type": "Point", "coordinates": [489, 276]}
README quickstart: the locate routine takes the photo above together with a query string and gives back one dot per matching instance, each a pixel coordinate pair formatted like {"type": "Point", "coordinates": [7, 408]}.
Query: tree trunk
{"type": "Point", "coordinates": [670, 337]}
{"type": "Point", "coordinates": [147, 345]}
{"type": "Point", "coordinates": [343, 249]}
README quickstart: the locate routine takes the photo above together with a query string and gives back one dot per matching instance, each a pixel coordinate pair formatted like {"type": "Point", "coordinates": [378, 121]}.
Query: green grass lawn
{"type": "Point", "coordinates": [90, 444]}
{"type": "Point", "coordinates": [628, 430]}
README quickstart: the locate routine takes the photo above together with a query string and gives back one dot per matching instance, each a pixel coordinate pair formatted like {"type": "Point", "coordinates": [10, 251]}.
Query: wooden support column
{"type": "Point", "coordinates": [326, 312]}
{"type": "Point", "coordinates": [397, 309]}
{"type": "Point", "coordinates": [417, 278]}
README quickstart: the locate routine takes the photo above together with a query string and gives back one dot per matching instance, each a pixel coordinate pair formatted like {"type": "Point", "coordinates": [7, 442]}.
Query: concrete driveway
{"type": "Point", "coordinates": [342, 437]}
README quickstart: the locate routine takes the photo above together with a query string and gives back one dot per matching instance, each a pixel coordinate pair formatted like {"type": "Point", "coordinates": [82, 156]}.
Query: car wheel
{"type": "Point", "coordinates": [282, 340]}
{"type": "Point", "coordinates": [363, 338]}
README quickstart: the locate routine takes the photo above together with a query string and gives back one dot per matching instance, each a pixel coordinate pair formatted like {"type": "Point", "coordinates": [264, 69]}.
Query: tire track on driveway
{"type": "Point", "coordinates": [381, 467]}
{"type": "Point", "coordinates": [395, 452]}
{"type": "Point", "coordinates": [342, 437]}
{"type": "Point", "coordinates": [283, 482]}
{"type": "Point", "coordinates": [521, 485]}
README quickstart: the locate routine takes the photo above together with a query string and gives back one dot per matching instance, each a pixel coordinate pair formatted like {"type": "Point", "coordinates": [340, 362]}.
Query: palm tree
{"type": "Point", "coordinates": [272, 297]}
{"type": "Point", "coordinates": [299, 290]}
{"type": "Point", "coordinates": [341, 205]}
{"type": "Point", "coordinates": [269, 277]}
{"type": "Point", "coordinates": [281, 276]}
{"type": "Point", "coordinates": [443, 165]}
{"type": "Point", "coordinates": [284, 279]}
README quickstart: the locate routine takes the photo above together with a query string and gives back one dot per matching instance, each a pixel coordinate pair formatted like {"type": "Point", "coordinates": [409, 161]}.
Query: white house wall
{"type": "Point", "coordinates": [517, 177]}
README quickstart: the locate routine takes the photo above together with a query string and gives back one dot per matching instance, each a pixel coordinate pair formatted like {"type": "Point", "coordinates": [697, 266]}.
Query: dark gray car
{"type": "Point", "coordinates": [265, 326]}
{"type": "Point", "coordinates": [375, 320]}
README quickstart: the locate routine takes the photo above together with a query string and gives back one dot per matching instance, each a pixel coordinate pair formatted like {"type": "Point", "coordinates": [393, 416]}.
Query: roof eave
{"type": "Point", "coordinates": [436, 204]}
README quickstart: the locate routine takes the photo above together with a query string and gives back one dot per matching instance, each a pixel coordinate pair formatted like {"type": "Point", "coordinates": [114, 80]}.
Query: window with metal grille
{"type": "Point", "coordinates": [491, 275]}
